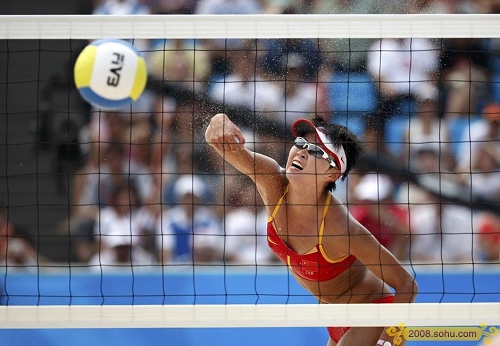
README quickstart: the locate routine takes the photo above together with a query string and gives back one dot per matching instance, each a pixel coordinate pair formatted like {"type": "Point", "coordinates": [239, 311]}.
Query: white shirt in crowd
{"type": "Point", "coordinates": [246, 237]}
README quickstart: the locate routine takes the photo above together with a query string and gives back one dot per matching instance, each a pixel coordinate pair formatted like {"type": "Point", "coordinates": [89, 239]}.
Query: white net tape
{"type": "Point", "coordinates": [249, 26]}
{"type": "Point", "coordinates": [267, 315]}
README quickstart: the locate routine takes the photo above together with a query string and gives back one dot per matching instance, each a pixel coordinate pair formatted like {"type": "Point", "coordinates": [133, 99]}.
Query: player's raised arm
{"type": "Point", "coordinates": [227, 139]}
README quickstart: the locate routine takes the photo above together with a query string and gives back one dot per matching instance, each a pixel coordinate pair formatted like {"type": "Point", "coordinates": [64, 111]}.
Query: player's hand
{"type": "Point", "coordinates": [223, 135]}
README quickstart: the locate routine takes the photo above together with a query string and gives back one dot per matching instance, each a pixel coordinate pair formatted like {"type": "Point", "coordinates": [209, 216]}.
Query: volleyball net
{"type": "Point", "coordinates": [422, 91]}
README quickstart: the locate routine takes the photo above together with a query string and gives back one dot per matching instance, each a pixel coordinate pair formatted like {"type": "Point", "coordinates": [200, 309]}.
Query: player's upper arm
{"type": "Point", "coordinates": [365, 247]}
{"type": "Point", "coordinates": [266, 173]}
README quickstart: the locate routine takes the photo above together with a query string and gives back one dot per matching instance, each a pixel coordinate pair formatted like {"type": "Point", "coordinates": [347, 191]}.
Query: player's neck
{"type": "Point", "coordinates": [302, 196]}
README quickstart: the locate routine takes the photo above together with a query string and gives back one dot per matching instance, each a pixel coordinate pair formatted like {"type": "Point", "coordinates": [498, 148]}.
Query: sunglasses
{"type": "Point", "coordinates": [313, 150]}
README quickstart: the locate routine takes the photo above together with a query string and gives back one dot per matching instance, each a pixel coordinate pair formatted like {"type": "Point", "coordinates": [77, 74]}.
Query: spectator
{"type": "Point", "coordinates": [162, 153]}
{"type": "Point", "coordinates": [465, 75]}
{"type": "Point", "coordinates": [228, 7]}
{"type": "Point", "coordinates": [427, 165]}
{"type": "Point", "coordinates": [184, 165]}
{"type": "Point", "coordinates": [426, 131]}
{"type": "Point", "coordinates": [488, 226]}
{"type": "Point", "coordinates": [347, 54]}
{"type": "Point", "coordinates": [316, 54]}
{"type": "Point", "coordinates": [373, 135]}
{"type": "Point", "coordinates": [124, 225]}
{"type": "Point", "coordinates": [442, 233]}
{"type": "Point", "coordinates": [403, 69]}
{"type": "Point", "coordinates": [119, 252]}
{"type": "Point", "coordinates": [428, 7]}
{"type": "Point", "coordinates": [189, 232]}
{"type": "Point", "coordinates": [93, 187]}
{"type": "Point", "coordinates": [300, 98]}
{"type": "Point", "coordinates": [187, 134]}
{"type": "Point", "coordinates": [479, 153]}
{"type": "Point", "coordinates": [484, 179]}
{"type": "Point", "coordinates": [465, 66]}
{"type": "Point", "coordinates": [183, 64]}
{"type": "Point", "coordinates": [381, 215]}
{"type": "Point", "coordinates": [120, 7]}
{"type": "Point", "coordinates": [357, 6]}
{"type": "Point", "coordinates": [218, 48]}
{"type": "Point", "coordinates": [276, 51]}
{"type": "Point", "coordinates": [245, 225]}
{"type": "Point", "coordinates": [425, 243]}
{"type": "Point", "coordinates": [476, 6]}
{"type": "Point", "coordinates": [130, 125]}
{"type": "Point", "coordinates": [94, 183]}
{"type": "Point", "coordinates": [245, 85]}
{"type": "Point", "coordinates": [175, 147]}
{"type": "Point", "coordinates": [172, 6]}
{"type": "Point", "coordinates": [15, 250]}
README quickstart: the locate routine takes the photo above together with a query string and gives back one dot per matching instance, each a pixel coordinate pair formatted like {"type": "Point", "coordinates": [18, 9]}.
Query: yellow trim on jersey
{"type": "Point", "coordinates": [321, 229]}
{"type": "Point", "coordinates": [325, 211]}
{"type": "Point", "coordinates": [269, 240]}
{"type": "Point", "coordinates": [313, 250]}
{"type": "Point", "coordinates": [325, 256]}
{"type": "Point", "coordinates": [277, 206]}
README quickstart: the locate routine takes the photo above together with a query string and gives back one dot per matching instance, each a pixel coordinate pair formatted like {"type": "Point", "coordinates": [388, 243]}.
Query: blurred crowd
{"type": "Point", "coordinates": [150, 192]}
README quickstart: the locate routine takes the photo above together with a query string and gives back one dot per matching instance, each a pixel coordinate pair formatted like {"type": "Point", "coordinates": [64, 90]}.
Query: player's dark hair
{"type": "Point", "coordinates": [341, 135]}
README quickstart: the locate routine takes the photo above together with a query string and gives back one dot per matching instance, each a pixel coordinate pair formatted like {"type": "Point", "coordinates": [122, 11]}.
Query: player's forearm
{"type": "Point", "coordinates": [406, 291]}
{"type": "Point", "coordinates": [228, 141]}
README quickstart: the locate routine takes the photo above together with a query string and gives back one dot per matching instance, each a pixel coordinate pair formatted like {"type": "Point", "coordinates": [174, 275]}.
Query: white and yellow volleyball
{"type": "Point", "coordinates": [110, 73]}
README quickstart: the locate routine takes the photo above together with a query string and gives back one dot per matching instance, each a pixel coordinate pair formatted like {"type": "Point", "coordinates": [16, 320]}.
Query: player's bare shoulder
{"type": "Point", "coordinates": [272, 186]}
{"type": "Point", "coordinates": [336, 232]}
{"type": "Point", "coordinates": [337, 218]}
{"type": "Point", "coordinates": [341, 224]}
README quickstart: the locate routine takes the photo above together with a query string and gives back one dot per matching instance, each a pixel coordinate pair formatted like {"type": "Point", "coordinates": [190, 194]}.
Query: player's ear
{"type": "Point", "coordinates": [334, 176]}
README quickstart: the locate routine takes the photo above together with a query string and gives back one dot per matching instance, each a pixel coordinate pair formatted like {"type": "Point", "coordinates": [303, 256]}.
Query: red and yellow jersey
{"type": "Point", "coordinates": [315, 265]}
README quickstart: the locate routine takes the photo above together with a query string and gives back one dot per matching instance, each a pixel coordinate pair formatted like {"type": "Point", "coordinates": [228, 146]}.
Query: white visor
{"type": "Point", "coordinates": [337, 153]}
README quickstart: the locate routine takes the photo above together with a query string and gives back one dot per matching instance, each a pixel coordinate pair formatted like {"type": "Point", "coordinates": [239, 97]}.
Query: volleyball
{"type": "Point", "coordinates": [110, 73]}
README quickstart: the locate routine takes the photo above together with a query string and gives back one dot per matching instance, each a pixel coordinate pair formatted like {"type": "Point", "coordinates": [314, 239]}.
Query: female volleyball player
{"type": "Point", "coordinates": [328, 251]}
